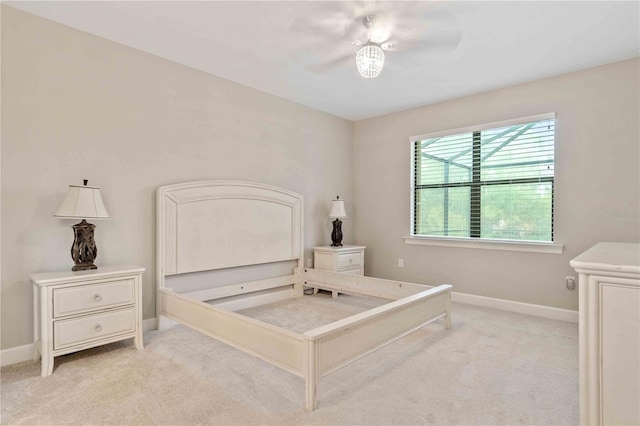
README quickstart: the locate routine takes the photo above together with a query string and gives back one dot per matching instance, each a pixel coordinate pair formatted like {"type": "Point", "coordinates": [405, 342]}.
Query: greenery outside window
{"type": "Point", "coordinates": [492, 182]}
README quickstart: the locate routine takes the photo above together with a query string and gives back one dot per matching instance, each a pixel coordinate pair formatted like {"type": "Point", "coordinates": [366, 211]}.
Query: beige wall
{"type": "Point", "coordinates": [76, 106]}
{"type": "Point", "coordinates": [597, 163]}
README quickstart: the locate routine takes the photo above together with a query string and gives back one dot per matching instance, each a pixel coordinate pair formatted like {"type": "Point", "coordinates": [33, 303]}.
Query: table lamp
{"type": "Point", "coordinates": [83, 202]}
{"type": "Point", "coordinates": [337, 211]}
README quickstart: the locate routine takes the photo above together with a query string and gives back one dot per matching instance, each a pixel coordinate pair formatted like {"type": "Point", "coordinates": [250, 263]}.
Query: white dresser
{"type": "Point", "coordinates": [79, 310]}
{"type": "Point", "coordinates": [609, 312]}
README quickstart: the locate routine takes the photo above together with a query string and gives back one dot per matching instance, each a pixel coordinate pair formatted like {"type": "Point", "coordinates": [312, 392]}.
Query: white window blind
{"type": "Point", "coordinates": [490, 183]}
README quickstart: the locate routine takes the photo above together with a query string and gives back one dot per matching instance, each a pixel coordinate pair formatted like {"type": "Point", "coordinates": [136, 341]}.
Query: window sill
{"type": "Point", "coordinates": [527, 246]}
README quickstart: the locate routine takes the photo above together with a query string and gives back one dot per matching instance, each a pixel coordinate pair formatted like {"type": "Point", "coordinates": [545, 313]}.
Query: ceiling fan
{"type": "Point", "coordinates": [400, 28]}
{"type": "Point", "coordinates": [370, 55]}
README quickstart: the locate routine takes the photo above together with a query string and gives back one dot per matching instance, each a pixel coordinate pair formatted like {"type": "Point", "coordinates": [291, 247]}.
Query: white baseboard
{"type": "Point", "coordinates": [16, 354]}
{"type": "Point", "coordinates": [24, 353]}
{"type": "Point", "coordinates": [518, 307]}
{"type": "Point", "coordinates": [149, 324]}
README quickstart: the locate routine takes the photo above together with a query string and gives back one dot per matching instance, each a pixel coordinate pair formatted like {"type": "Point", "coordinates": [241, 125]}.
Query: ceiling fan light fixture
{"type": "Point", "coordinates": [370, 60]}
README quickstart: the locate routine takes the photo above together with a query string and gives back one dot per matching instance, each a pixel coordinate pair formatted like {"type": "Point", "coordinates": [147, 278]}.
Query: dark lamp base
{"type": "Point", "coordinates": [84, 250]}
{"type": "Point", "coordinates": [84, 267]}
{"type": "Point", "coordinates": [336, 235]}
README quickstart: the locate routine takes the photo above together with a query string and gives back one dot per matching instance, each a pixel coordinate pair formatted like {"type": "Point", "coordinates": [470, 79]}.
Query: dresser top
{"type": "Point", "coordinates": [610, 257]}
{"type": "Point", "coordinates": [50, 278]}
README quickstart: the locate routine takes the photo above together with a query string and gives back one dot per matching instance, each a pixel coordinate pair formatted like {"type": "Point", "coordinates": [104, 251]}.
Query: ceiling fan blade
{"type": "Point", "coordinates": [438, 34]}
{"type": "Point", "coordinates": [436, 48]}
{"type": "Point", "coordinates": [328, 27]}
{"type": "Point", "coordinates": [431, 21]}
{"type": "Point", "coordinates": [322, 67]}
{"type": "Point", "coordinates": [436, 44]}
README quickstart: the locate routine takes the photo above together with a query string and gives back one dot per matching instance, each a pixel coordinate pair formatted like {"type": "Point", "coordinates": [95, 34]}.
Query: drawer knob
{"type": "Point", "coordinates": [97, 298]}
{"type": "Point", "coordinates": [98, 327]}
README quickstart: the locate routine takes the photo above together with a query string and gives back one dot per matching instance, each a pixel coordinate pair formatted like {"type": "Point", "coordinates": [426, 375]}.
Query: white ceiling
{"type": "Point", "coordinates": [275, 46]}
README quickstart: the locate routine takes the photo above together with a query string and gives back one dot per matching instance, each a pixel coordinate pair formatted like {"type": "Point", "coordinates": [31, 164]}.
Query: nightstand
{"type": "Point", "coordinates": [73, 311]}
{"type": "Point", "coordinates": [345, 259]}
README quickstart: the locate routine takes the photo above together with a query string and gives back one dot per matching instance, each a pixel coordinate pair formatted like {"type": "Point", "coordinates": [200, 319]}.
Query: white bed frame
{"type": "Point", "coordinates": [212, 225]}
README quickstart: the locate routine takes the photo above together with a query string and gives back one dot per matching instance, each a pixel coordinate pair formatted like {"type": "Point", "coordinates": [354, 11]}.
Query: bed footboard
{"type": "Point", "coordinates": [330, 347]}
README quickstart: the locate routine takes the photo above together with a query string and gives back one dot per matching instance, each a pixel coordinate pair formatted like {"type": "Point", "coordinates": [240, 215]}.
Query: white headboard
{"type": "Point", "coordinates": [222, 224]}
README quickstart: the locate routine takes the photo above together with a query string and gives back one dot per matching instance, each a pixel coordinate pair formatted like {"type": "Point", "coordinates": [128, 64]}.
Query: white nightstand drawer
{"type": "Point", "coordinates": [349, 260]}
{"type": "Point", "coordinates": [74, 300]}
{"type": "Point", "coordinates": [93, 327]}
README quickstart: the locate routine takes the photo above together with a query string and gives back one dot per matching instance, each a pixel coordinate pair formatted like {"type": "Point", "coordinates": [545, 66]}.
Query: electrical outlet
{"type": "Point", "coordinates": [570, 282]}
{"type": "Point", "coordinates": [400, 263]}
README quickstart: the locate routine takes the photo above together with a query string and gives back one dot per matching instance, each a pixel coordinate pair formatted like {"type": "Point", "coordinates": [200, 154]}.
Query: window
{"type": "Point", "coordinates": [490, 182]}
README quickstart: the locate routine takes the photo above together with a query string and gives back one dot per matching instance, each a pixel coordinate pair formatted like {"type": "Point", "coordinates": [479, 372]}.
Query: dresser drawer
{"type": "Point", "coordinates": [89, 328]}
{"type": "Point", "coordinates": [74, 300]}
{"type": "Point", "coordinates": [349, 261]}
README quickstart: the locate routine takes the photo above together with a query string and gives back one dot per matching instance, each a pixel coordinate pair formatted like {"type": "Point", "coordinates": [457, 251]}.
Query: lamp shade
{"type": "Point", "coordinates": [82, 202]}
{"type": "Point", "coordinates": [337, 208]}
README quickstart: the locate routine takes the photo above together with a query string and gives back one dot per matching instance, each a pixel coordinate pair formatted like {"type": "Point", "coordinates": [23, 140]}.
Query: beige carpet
{"type": "Point", "coordinates": [493, 367]}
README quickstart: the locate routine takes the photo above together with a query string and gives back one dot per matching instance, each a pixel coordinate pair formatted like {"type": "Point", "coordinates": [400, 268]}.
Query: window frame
{"type": "Point", "coordinates": [477, 241]}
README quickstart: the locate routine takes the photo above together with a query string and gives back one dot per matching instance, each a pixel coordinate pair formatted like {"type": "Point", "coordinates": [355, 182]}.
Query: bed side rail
{"type": "Point", "coordinates": [358, 284]}
{"type": "Point", "coordinates": [242, 288]}
{"type": "Point", "coordinates": [280, 347]}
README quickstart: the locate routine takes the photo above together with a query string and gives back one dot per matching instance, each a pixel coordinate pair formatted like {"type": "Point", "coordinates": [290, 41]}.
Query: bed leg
{"type": "Point", "coordinates": [311, 402]}
{"type": "Point", "coordinates": [447, 319]}
{"type": "Point", "coordinates": [311, 375]}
